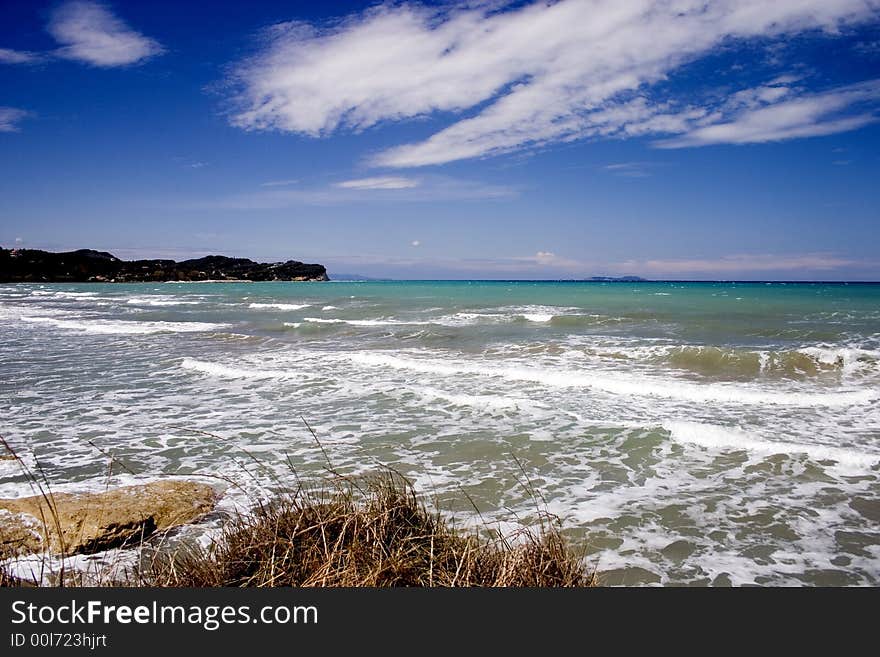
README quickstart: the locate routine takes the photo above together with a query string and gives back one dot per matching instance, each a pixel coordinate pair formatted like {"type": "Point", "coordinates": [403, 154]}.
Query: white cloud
{"type": "Point", "coordinates": [8, 56]}
{"type": "Point", "coordinates": [10, 117]}
{"type": "Point", "coordinates": [90, 33]}
{"type": "Point", "coordinates": [384, 182]}
{"type": "Point", "coordinates": [415, 243]}
{"type": "Point", "coordinates": [538, 74]}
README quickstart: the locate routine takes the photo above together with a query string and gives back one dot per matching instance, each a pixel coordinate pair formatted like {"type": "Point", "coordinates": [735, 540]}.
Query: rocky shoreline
{"type": "Point", "coordinates": [85, 523]}
{"type": "Point", "coordinates": [89, 266]}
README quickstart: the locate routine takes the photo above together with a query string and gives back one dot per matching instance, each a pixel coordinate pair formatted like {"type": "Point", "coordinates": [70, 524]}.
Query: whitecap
{"type": "Point", "coordinates": [361, 322]}
{"type": "Point", "coordinates": [120, 327]}
{"type": "Point", "coordinates": [228, 371]}
{"type": "Point", "coordinates": [160, 301]}
{"type": "Point", "coordinates": [628, 386]}
{"type": "Point", "coordinates": [713, 436]}
{"type": "Point", "coordinates": [279, 306]}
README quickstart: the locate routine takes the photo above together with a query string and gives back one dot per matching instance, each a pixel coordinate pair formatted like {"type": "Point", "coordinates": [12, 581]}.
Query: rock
{"type": "Point", "coordinates": [92, 522]}
{"type": "Point", "coordinates": [86, 265]}
{"type": "Point", "coordinates": [19, 534]}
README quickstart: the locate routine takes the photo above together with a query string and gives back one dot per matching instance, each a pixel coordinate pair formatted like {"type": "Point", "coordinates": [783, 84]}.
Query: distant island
{"type": "Point", "coordinates": [618, 279]}
{"type": "Point", "coordinates": [89, 266]}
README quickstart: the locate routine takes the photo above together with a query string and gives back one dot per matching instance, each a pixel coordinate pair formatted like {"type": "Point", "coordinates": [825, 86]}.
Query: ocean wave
{"type": "Point", "coordinates": [480, 402]}
{"type": "Point", "coordinates": [789, 363]}
{"type": "Point", "coordinates": [160, 301]}
{"type": "Point", "coordinates": [362, 322]}
{"type": "Point", "coordinates": [735, 363]}
{"type": "Point", "coordinates": [230, 372]}
{"type": "Point", "coordinates": [279, 306]}
{"type": "Point", "coordinates": [560, 319]}
{"type": "Point", "coordinates": [61, 294]}
{"type": "Point", "coordinates": [848, 359]}
{"type": "Point", "coordinates": [625, 385]}
{"type": "Point", "coordinates": [121, 327]}
{"type": "Point", "coordinates": [718, 437]}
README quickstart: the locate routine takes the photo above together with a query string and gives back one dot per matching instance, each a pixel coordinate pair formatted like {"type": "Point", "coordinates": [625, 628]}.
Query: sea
{"type": "Point", "coordinates": [710, 433]}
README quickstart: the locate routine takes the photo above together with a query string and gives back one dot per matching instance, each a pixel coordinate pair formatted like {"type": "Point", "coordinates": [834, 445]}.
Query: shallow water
{"type": "Point", "coordinates": [686, 433]}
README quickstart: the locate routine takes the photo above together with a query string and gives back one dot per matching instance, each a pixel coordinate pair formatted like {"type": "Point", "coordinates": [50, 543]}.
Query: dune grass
{"type": "Point", "coordinates": [367, 531]}
{"type": "Point", "coordinates": [373, 532]}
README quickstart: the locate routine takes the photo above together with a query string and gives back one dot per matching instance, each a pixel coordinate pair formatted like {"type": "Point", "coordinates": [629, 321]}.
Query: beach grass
{"type": "Point", "coordinates": [371, 532]}
{"type": "Point", "coordinates": [339, 531]}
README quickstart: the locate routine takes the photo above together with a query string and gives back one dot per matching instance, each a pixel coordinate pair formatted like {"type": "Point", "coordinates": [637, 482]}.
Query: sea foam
{"type": "Point", "coordinates": [623, 385]}
{"type": "Point", "coordinates": [718, 437]}
{"type": "Point", "coordinates": [279, 306]}
{"type": "Point", "coordinates": [122, 327]}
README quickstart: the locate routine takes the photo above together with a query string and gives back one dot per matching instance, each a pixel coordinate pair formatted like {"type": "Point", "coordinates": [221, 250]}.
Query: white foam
{"type": "Point", "coordinates": [160, 301]}
{"type": "Point", "coordinates": [622, 385]}
{"type": "Point", "coordinates": [330, 308]}
{"type": "Point", "coordinates": [63, 294]}
{"type": "Point", "coordinates": [228, 371]}
{"type": "Point", "coordinates": [713, 436]}
{"type": "Point", "coordinates": [850, 359]}
{"type": "Point", "coordinates": [361, 322]}
{"type": "Point", "coordinates": [482, 402]}
{"type": "Point", "coordinates": [536, 317]}
{"type": "Point", "coordinates": [279, 306]}
{"type": "Point", "coordinates": [120, 327]}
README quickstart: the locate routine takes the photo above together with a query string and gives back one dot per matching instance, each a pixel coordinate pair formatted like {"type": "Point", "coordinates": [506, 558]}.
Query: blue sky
{"type": "Point", "coordinates": [668, 139]}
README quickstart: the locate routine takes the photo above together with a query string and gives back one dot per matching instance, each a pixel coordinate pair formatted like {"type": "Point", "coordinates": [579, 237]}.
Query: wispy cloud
{"type": "Point", "coordinates": [546, 264]}
{"type": "Point", "coordinates": [279, 183]}
{"type": "Point", "coordinates": [10, 117]}
{"type": "Point", "coordinates": [425, 189]}
{"type": "Point", "coordinates": [90, 33]}
{"type": "Point", "coordinates": [630, 169]}
{"type": "Point", "coordinates": [779, 112]}
{"type": "Point", "coordinates": [538, 74]}
{"type": "Point", "coordinates": [384, 182]}
{"type": "Point", "coordinates": [738, 264]}
{"type": "Point", "coordinates": [8, 56]}
{"type": "Point", "coordinates": [547, 260]}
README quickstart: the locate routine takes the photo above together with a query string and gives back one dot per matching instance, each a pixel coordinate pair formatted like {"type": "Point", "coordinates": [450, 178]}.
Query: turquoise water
{"type": "Point", "coordinates": [685, 433]}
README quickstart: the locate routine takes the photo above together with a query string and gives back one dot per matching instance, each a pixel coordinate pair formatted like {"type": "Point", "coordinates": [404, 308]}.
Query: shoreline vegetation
{"type": "Point", "coordinates": [90, 266]}
{"type": "Point", "coordinates": [339, 531]}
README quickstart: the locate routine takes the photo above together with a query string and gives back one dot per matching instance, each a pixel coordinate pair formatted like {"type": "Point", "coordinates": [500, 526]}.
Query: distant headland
{"type": "Point", "coordinates": [89, 266]}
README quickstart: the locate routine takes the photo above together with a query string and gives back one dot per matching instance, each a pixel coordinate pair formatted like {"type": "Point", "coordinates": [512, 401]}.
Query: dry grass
{"type": "Point", "coordinates": [374, 533]}
{"type": "Point", "coordinates": [367, 532]}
